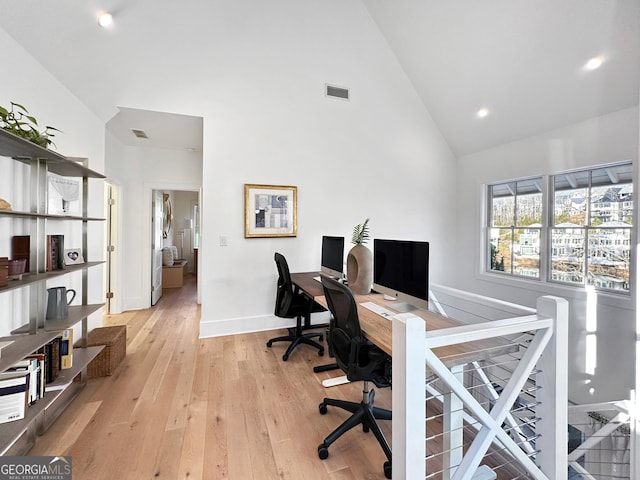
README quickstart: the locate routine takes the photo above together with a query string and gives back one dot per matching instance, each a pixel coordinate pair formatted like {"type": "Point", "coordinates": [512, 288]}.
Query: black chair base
{"type": "Point", "coordinates": [363, 413]}
{"type": "Point", "coordinates": [296, 338]}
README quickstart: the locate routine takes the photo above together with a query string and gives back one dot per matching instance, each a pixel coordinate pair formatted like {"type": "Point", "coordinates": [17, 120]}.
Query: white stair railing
{"type": "Point", "coordinates": [604, 449]}
{"type": "Point", "coordinates": [544, 357]}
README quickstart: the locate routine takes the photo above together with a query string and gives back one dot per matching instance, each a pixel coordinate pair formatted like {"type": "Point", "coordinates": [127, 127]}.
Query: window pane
{"type": "Point", "coordinates": [529, 210]}
{"type": "Point", "coordinates": [609, 255]}
{"type": "Point", "coordinates": [526, 252]}
{"type": "Point", "coordinates": [611, 205]}
{"type": "Point", "coordinates": [567, 255]}
{"type": "Point", "coordinates": [500, 249]}
{"type": "Point", "coordinates": [502, 204]}
{"type": "Point", "coordinates": [570, 198]}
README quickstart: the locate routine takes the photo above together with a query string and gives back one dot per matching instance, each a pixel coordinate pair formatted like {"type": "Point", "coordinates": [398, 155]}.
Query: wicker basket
{"type": "Point", "coordinates": [115, 341]}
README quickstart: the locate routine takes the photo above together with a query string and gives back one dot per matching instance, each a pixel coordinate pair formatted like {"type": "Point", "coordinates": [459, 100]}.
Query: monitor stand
{"type": "Point", "coordinates": [401, 307]}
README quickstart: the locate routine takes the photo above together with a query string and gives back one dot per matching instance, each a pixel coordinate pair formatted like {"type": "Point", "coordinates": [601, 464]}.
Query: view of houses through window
{"type": "Point", "coordinates": [589, 235]}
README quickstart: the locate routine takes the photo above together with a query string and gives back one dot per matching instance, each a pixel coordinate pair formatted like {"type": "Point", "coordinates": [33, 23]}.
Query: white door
{"type": "Point", "coordinates": [156, 246]}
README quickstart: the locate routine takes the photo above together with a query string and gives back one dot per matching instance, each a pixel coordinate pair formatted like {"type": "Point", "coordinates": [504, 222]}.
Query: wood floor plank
{"type": "Point", "coordinates": [225, 408]}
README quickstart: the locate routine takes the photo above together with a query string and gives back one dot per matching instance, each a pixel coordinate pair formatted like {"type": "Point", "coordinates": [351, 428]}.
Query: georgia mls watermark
{"type": "Point", "coordinates": [35, 468]}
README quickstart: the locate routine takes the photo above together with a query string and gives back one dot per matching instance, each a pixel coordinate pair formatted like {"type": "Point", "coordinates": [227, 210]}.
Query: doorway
{"type": "Point", "coordinates": [175, 223]}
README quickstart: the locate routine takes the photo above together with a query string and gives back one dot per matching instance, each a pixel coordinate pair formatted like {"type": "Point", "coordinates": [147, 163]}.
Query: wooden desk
{"type": "Point", "coordinates": [378, 329]}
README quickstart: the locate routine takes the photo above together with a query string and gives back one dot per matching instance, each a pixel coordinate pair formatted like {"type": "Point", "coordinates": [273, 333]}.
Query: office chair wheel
{"type": "Point", "coordinates": [323, 408]}
{"type": "Point", "coordinates": [320, 338]}
{"type": "Point", "coordinates": [323, 452]}
{"type": "Point", "coordinates": [269, 343]}
{"type": "Point", "coordinates": [365, 428]}
{"type": "Point", "coordinates": [285, 357]}
{"type": "Point", "coordinates": [387, 469]}
{"type": "Point", "coordinates": [321, 352]}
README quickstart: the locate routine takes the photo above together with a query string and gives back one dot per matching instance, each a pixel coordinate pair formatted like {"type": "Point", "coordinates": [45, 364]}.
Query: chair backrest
{"type": "Point", "coordinates": [284, 293]}
{"type": "Point", "coordinates": [345, 335]}
{"type": "Point", "coordinates": [354, 354]}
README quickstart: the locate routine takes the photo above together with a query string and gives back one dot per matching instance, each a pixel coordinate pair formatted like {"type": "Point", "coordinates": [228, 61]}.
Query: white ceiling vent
{"type": "Point", "coordinates": [139, 133]}
{"type": "Point", "coordinates": [337, 92]}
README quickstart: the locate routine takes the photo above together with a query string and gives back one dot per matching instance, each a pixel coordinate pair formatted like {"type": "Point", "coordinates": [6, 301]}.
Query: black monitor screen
{"type": "Point", "coordinates": [332, 255]}
{"type": "Point", "coordinates": [401, 270]}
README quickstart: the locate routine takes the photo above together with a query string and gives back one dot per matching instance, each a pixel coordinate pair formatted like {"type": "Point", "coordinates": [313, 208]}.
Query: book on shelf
{"type": "Point", "coordinates": [66, 349]}
{"type": "Point", "coordinates": [51, 352]}
{"type": "Point", "coordinates": [39, 365]}
{"type": "Point", "coordinates": [21, 249]}
{"type": "Point", "coordinates": [55, 253]}
{"type": "Point", "coordinates": [14, 390]}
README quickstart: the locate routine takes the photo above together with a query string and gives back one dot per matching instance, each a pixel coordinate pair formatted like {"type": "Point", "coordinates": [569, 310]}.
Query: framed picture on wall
{"type": "Point", "coordinates": [270, 211]}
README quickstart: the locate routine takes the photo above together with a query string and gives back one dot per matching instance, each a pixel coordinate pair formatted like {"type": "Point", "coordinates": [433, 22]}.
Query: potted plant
{"type": "Point", "coordinates": [17, 121]}
{"type": "Point", "coordinates": [360, 261]}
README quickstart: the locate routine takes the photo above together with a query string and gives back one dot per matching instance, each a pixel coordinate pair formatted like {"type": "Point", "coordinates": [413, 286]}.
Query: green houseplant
{"type": "Point", "coordinates": [360, 233]}
{"type": "Point", "coordinates": [18, 121]}
{"type": "Point", "coordinates": [360, 261]}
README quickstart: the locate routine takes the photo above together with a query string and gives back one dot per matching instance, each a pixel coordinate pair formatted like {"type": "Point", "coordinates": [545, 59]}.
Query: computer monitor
{"type": "Point", "coordinates": [332, 256]}
{"type": "Point", "coordinates": [401, 272]}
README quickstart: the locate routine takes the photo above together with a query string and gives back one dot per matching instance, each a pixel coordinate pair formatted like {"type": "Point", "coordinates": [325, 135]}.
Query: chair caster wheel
{"type": "Point", "coordinates": [323, 409]}
{"type": "Point", "coordinates": [365, 428]}
{"type": "Point", "coordinates": [320, 338]}
{"type": "Point", "coordinates": [285, 357]}
{"type": "Point", "coordinates": [387, 469]}
{"type": "Point", "coordinates": [323, 452]}
{"type": "Point", "coordinates": [320, 353]}
{"type": "Point", "coordinates": [269, 344]}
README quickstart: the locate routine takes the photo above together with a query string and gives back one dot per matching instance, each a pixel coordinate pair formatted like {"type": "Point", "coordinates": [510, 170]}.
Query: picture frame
{"type": "Point", "coordinates": [73, 256]}
{"type": "Point", "coordinates": [63, 195]}
{"type": "Point", "coordinates": [270, 211]}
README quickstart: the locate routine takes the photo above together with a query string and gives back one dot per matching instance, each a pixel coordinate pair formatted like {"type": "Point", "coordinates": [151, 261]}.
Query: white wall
{"type": "Point", "coordinates": [601, 140]}
{"type": "Point", "coordinates": [378, 155]}
{"type": "Point", "coordinates": [82, 136]}
{"type": "Point", "coordinates": [138, 171]}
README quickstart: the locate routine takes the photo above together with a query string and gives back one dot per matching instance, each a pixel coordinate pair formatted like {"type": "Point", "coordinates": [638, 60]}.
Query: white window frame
{"type": "Point", "coordinates": [544, 281]}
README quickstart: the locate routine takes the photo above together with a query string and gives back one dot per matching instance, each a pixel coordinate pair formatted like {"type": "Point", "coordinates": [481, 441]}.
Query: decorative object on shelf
{"type": "Point", "coordinates": [4, 205]}
{"type": "Point", "coordinates": [16, 268]}
{"type": "Point", "coordinates": [58, 302]}
{"type": "Point", "coordinates": [17, 121]}
{"type": "Point", "coordinates": [21, 249]}
{"type": "Point", "coordinates": [360, 261]}
{"type": "Point", "coordinates": [63, 195]}
{"type": "Point", "coordinates": [270, 211]}
{"type": "Point", "coordinates": [73, 256]}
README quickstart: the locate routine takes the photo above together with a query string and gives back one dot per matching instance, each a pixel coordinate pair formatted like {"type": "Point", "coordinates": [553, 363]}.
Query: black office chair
{"type": "Point", "coordinates": [290, 303]}
{"type": "Point", "coordinates": [360, 360]}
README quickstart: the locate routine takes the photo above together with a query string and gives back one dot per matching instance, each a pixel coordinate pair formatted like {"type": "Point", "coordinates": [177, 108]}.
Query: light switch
{"type": "Point", "coordinates": [223, 240]}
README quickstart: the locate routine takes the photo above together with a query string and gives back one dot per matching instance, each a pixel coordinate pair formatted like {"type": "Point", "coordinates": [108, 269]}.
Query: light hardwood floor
{"type": "Point", "coordinates": [222, 408]}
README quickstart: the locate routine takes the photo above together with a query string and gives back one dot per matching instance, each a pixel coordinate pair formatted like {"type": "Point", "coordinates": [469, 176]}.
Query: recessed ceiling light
{"type": "Point", "coordinates": [483, 112]}
{"type": "Point", "coordinates": [105, 19]}
{"type": "Point", "coordinates": [593, 64]}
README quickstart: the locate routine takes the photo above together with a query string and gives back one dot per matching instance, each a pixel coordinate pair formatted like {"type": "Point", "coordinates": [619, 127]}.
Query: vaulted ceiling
{"type": "Point", "coordinates": [521, 60]}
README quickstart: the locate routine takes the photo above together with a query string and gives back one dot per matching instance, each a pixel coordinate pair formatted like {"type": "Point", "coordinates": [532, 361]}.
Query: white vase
{"type": "Point", "coordinates": [360, 270]}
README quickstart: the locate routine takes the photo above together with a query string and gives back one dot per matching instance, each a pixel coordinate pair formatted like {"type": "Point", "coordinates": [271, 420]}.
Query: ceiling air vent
{"type": "Point", "coordinates": [337, 92]}
{"type": "Point", "coordinates": [139, 133]}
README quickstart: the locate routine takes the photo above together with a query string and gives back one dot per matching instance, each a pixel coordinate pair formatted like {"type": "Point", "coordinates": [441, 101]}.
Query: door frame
{"type": "Point", "coordinates": [148, 189]}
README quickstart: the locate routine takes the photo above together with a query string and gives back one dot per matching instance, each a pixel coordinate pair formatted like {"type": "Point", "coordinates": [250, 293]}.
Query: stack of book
{"type": "Point", "coordinates": [24, 383]}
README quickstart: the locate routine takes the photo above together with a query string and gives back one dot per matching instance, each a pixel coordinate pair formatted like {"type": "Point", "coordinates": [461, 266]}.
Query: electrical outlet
{"type": "Point", "coordinates": [223, 240]}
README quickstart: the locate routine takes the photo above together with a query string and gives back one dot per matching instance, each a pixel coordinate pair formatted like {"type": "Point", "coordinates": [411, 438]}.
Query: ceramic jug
{"type": "Point", "coordinates": [58, 301]}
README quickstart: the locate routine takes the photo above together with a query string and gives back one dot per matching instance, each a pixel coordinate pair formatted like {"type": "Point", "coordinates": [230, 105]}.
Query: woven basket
{"type": "Point", "coordinates": [115, 341]}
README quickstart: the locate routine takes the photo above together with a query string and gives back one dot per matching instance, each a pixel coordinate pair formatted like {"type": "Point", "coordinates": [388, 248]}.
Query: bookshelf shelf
{"type": "Point", "coordinates": [18, 214]}
{"type": "Point", "coordinates": [29, 278]}
{"type": "Point", "coordinates": [17, 437]}
{"type": "Point", "coordinates": [35, 414]}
